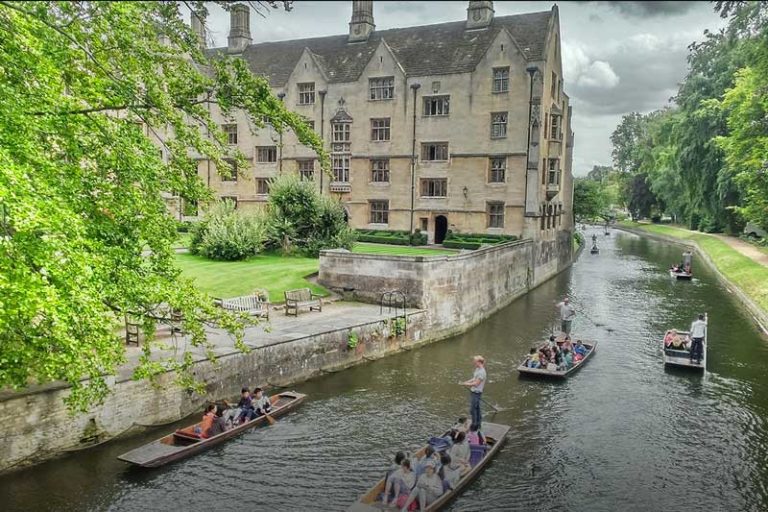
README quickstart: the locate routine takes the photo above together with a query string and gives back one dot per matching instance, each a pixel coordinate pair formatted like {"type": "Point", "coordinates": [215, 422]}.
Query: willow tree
{"type": "Point", "coordinates": [88, 89]}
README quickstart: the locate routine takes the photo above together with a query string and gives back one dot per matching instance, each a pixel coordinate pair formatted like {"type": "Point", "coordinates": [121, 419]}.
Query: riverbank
{"type": "Point", "coordinates": [445, 295]}
{"type": "Point", "coordinates": [746, 278]}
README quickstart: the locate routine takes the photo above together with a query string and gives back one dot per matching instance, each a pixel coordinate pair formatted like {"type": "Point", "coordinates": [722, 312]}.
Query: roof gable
{"type": "Point", "coordinates": [439, 49]}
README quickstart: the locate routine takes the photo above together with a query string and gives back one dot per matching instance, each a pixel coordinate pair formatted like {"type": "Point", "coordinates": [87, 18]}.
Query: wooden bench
{"type": "Point", "coordinates": [301, 298]}
{"type": "Point", "coordinates": [253, 305]}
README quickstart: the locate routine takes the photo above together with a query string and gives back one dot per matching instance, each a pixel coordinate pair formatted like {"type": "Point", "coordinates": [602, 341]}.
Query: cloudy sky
{"type": "Point", "coordinates": [618, 57]}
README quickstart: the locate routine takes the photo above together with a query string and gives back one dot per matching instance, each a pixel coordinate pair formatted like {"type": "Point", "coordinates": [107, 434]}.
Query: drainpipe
{"type": "Point", "coordinates": [322, 129]}
{"type": "Point", "coordinates": [414, 87]}
{"type": "Point", "coordinates": [280, 146]}
{"type": "Point", "coordinates": [531, 71]}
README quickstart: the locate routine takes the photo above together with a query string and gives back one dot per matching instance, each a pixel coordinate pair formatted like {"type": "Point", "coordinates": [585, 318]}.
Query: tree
{"type": "Point", "coordinates": [627, 141]}
{"type": "Point", "coordinates": [87, 87]}
{"type": "Point", "coordinates": [588, 199]}
{"type": "Point", "coordinates": [300, 219]}
{"type": "Point", "coordinates": [745, 106]}
{"type": "Point", "coordinates": [642, 200]}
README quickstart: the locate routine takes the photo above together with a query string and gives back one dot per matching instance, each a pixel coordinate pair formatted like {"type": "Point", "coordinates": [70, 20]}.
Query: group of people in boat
{"type": "Point", "coordinates": [692, 342]}
{"type": "Point", "coordinates": [221, 417]}
{"type": "Point", "coordinates": [414, 483]}
{"type": "Point", "coordinates": [554, 355]}
{"type": "Point", "coordinates": [680, 267]}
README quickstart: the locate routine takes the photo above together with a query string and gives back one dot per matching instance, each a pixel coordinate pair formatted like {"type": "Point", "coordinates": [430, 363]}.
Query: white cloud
{"type": "Point", "coordinates": [582, 70]}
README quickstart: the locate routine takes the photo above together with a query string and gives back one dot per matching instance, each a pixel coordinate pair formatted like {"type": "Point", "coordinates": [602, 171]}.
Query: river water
{"type": "Point", "coordinates": [622, 434]}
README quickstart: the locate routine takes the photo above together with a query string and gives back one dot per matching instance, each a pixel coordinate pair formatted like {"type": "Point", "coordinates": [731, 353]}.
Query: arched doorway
{"type": "Point", "coordinates": [441, 228]}
{"type": "Point", "coordinates": [346, 215]}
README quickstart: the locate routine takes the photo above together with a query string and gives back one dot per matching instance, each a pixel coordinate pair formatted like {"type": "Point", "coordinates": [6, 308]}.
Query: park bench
{"type": "Point", "coordinates": [301, 298]}
{"type": "Point", "coordinates": [253, 305]}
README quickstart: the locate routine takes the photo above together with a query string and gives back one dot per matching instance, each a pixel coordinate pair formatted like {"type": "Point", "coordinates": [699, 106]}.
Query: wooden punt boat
{"type": "Point", "coordinates": [681, 358]}
{"type": "Point", "coordinates": [178, 445]}
{"type": "Point", "coordinates": [559, 374]}
{"type": "Point", "coordinates": [594, 250]}
{"type": "Point", "coordinates": [495, 436]}
{"type": "Point", "coordinates": [681, 275]}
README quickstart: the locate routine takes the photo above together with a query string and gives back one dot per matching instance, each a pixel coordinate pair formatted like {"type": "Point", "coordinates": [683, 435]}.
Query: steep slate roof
{"type": "Point", "coordinates": [439, 49]}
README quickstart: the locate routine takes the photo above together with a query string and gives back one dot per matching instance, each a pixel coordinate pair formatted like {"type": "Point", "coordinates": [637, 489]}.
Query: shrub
{"type": "Point", "coordinates": [472, 241]}
{"type": "Point", "coordinates": [228, 234]}
{"type": "Point", "coordinates": [301, 220]}
{"type": "Point", "coordinates": [184, 226]}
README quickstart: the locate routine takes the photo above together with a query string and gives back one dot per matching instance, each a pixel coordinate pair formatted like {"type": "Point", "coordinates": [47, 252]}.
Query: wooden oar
{"type": "Point", "coordinates": [270, 419]}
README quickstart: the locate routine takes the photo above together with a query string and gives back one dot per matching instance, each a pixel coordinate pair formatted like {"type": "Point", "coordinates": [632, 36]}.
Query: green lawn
{"type": "Point", "coordinates": [742, 271]}
{"type": "Point", "coordinates": [272, 272]}
{"type": "Point", "coordinates": [399, 250]}
{"type": "Point", "coordinates": [235, 278]}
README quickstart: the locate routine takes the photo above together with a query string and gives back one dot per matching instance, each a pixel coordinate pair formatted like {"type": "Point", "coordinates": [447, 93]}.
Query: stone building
{"type": "Point", "coordinates": [461, 125]}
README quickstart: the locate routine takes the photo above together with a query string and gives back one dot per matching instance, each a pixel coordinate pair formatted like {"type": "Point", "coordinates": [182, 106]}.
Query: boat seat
{"type": "Point", "coordinates": [186, 436]}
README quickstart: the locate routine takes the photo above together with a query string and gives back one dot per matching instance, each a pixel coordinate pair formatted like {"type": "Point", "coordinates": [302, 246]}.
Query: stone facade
{"type": "Point", "coordinates": [459, 290]}
{"type": "Point", "coordinates": [464, 90]}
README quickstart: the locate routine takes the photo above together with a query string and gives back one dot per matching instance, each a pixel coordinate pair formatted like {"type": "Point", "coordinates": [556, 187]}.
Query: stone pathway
{"type": "Point", "coordinates": [279, 329]}
{"type": "Point", "coordinates": [744, 248]}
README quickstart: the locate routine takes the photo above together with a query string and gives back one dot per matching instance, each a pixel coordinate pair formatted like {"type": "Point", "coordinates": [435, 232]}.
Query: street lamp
{"type": "Point", "coordinates": [280, 95]}
{"type": "Point", "coordinates": [322, 94]}
{"type": "Point", "coordinates": [532, 70]}
{"type": "Point", "coordinates": [414, 88]}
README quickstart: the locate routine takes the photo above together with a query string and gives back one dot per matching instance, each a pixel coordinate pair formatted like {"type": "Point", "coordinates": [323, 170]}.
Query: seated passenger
{"type": "Point", "coordinates": [567, 358]}
{"type": "Point", "coordinates": [678, 342]}
{"type": "Point", "coordinates": [460, 451]}
{"type": "Point", "coordinates": [245, 405]}
{"type": "Point", "coordinates": [429, 457]}
{"type": "Point", "coordinates": [533, 360]}
{"type": "Point", "coordinates": [399, 483]}
{"type": "Point", "coordinates": [669, 336]}
{"type": "Point", "coordinates": [261, 404]}
{"type": "Point", "coordinates": [461, 425]}
{"type": "Point", "coordinates": [428, 488]}
{"type": "Point", "coordinates": [209, 417]}
{"type": "Point", "coordinates": [475, 436]}
{"type": "Point", "coordinates": [579, 351]}
{"type": "Point", "coordinates": [450, 472]}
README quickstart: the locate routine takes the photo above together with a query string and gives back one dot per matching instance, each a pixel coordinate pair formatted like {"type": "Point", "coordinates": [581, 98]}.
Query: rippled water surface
{"type": "Point", "coordinates": [622, 434]}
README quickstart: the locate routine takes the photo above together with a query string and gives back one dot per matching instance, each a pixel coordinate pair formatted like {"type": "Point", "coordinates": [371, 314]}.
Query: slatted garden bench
{"type": "Point", "coordinates": [302, 298]}
{"type": "Point", "coordinates": [254, 305]}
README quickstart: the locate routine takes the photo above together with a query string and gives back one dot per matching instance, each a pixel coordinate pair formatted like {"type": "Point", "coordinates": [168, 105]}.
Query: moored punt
{"type": "Point", "coordinates": [681, 358]}
{"type": "Point", "coordinates": [559, 374]}
{"type": "Point", "coordinates": [681, 274]}
{"type": "Point", "coordinates": [180, 444]}
{"type": "Point", "coordinates": [495, 435]}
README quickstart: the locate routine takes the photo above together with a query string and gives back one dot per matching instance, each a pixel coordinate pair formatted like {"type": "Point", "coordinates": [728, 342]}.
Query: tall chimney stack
{"type": "Point", "coordinates": [361, 26]}
{"type": "Point", "coordinates": [239, 29]}
{"type": "Point", "coordinates": [198, 27]}
{"type": "Point", "coordinates": [479, 14]}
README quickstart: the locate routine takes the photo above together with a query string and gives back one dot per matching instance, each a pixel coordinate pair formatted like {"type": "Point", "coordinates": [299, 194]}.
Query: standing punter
{"type": "Point", "coordinates": [476, 385]}
{"type": "Point", "coordinates": [698, 333]}
{"type": "Point", "coordinates": [567, 314]}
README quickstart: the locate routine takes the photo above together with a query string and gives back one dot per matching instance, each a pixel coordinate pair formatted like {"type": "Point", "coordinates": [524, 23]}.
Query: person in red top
{"type": "Point", "coordinates": [208, 418]}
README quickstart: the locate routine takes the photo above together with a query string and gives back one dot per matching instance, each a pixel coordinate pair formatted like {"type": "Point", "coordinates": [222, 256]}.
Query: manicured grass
{"type": "Point", "coordinates": [742, 271]}
{"type": "Point", "coordinates": [399, 250]}
{"type": "Point", "coordinates": [271, 272]}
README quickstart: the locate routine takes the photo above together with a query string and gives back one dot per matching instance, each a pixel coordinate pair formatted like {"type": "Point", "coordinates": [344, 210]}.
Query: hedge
{"type": "Point", "coordinates": [381, 236]}
{"type": "Point", "coordinates": [472, 241]}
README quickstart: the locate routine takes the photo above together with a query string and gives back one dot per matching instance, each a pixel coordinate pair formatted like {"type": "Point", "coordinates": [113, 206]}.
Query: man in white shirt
{"type": "Point", "coordinates": [698, 333]}
{"type": "Point", "coordinates": [476, 385]}
{"type": "Point", "coordinates": [567, 314]}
